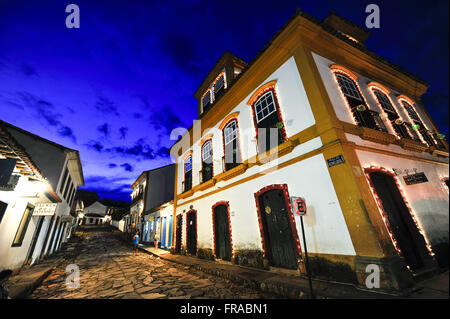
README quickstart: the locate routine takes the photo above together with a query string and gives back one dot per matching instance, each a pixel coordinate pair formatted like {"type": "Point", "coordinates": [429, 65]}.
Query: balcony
{"type": "Point", "coordinates": [138, 197]}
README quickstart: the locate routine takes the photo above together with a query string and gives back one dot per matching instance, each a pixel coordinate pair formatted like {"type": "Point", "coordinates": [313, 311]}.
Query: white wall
{"type": "Point", "coordinates": [325, 227]}
{"type": "Point", "coordinates": [296, 112]}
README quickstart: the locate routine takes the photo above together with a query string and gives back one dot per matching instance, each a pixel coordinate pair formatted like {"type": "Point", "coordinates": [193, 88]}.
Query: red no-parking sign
{"type": "Point", "coordinates": [299, 206]}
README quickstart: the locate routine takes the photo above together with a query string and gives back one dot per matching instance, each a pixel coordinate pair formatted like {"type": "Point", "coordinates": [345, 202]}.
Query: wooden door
{"type": "Point", "coordinates": [277, 230]}
{"type": "Point", "coordinates": [179, 224]}
{"type": "Point", "coordinates": [191, 233]}
{"type": "Point", "coordinates": [410, 241]}
{"type": "Point", "coordinates": [222, 232]}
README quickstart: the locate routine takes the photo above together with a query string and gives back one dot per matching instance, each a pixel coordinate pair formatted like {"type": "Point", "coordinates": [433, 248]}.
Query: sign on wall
{"type": "Point", "coordinates": [415, 178]}
{"type": "Point", "coordinates": [335, 160]}
{"type": "Point", "coordinates": [298, 205]}
{"type": "Point", "coordinates": [45, 209]}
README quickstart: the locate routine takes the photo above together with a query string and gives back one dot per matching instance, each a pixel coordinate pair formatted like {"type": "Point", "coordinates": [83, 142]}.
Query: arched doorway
{"type": "Point", "coordinates": [399, 220]}
{"type": "Point", "coordinates": [221, 228]}
{"type": "Point", "coordinates": [279, 236]}
{"type": "Point", "coordinates": [191, 232]}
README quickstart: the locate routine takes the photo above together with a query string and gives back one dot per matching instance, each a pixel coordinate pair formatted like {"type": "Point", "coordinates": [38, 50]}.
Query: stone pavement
{"type": "Point", "coordinates": [108, 270]}
{"type": "Point", "coordinates": [297, 287]}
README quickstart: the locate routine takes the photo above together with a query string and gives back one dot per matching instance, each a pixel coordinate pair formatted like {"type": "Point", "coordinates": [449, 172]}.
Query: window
{"type": "Point", "coordinates": [348, 87]}
{"type": "Point", "coordinates": [268, 121]}
{"type": "Point", "coordinates": [265, 106]}
{"type": "Point", "coordinates": [392, 115]}
{"type": "Point", "coordinates": [207, 163]}
{"type": "Point", "coordinates": [63, 181]}
{"type": "Point", "coordinates": [231, 149]}
{"type": "Point", "coordinates": [206, 100]}
{"type": "Point", "coordinates": [3, 207]}
{"type": "Point", "coordinates": [188, 173]}
{"type": "Point", "coordinates": [219, 85]}
{"type": "Point", "coordinates": [358, 107]}
{"type": "Point", "coordinates": [21, 231]}
{"type": "Point", "coordinates": [417, 124]}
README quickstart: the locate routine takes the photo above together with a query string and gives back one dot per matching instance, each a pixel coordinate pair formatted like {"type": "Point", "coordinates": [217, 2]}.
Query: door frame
{"type": "Point", "coordinates": [284, 188]}
{"type": "Point", "coordinates": [192, 211]}
{"type": "Point", "coordinates": [227, 204]}
{"type": "Point", "coordinates": [384, 215]}
{"type": "Point", "coordinates": [178, 235]}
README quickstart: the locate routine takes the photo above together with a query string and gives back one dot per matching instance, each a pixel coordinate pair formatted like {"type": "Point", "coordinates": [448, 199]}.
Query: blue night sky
{"type": "Point", "coordinates": [116, 87]}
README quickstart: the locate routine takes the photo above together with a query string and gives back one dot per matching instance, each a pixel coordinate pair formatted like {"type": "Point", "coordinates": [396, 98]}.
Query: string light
{"type": "Point", "coordinates": [379, 202]}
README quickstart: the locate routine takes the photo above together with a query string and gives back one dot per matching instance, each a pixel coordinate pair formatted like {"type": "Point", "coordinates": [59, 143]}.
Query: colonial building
{"type": "Point", "coordinates": [96, 214]}
{"type": "Point", "coordinates": [316, 115]}
{"type": "Point", "coordinates": [151, 206]}
{"type": "Point", "coordinates": [38, 182]}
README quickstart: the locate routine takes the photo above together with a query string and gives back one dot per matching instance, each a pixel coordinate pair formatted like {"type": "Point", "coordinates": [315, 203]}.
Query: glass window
{"type": "Point", "coordinates": [412, 113]}
{"type": "Point", "coordinates": [21, 231]}
{"type": "Point", "coordinates": [188, 164]}
{"type": "Point", "coordinates": [206, 150]}
{"type": "Point", "coordinates": [264, 106]}
{"type": "Point", "coordinates": [348, 87]}
{"type": "Point", "coordinates": [206, 98]}
{"type": "Point", "coordinates": [219, 84]}
{"type": "Point", "coordinates": [384, 101]}
{"type": "Point", "coordinates": [230, 132]}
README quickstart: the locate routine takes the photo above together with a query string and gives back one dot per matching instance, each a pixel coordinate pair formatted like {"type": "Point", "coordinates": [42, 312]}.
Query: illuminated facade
{"type": "Point", "coordinates": [316, 115]}
{"type": "Point", "coordinates": [38, 183]}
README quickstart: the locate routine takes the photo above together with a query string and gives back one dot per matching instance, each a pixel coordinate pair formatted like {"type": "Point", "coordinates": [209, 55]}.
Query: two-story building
{"type": "Point", "coordinates": [317, 115]}
{"type": "Point", "coordinates": [151, 205]}
{"type": "Point", "coordinates": [39, 179]}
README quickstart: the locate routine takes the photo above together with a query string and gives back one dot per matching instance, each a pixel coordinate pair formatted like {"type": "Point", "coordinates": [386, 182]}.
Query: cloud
{"type": "Point", "coordinates": [95, 145]}
{"type": "Point", "coordinates": [117, 188]}
{"type": "Point", "coordinates": [123, 132]}
{"type": "Point", "coordinates": [66, 131]}
{"type": "Point", "coordinates": [27, 70]}
{"type": "Point", "coordinates": [106, 106]}
{"type": "Point", "coordinates": [112, 165]}
{"type": "Point", "coordinates": [104, 129]}
{"type": "Point", "coordinates": [165, 119]}
{"type": "Point", "coordinates": [127, 166]}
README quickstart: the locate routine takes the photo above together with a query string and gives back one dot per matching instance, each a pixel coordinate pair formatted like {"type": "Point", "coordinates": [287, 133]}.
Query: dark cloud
{"type": "Point", "coordinates": [95, 145]}
{"type": "Point", "coordinates": [165, 119]}
{"type": "Point", "coordinates": [27, 70]}
{"type": "Point", "coordinates": [140, 150]}
{"type": "Point", "coordinates": [106, 106]}
{"type": "Point", "coordinates": [123, 132]}
{"type": "Point", "coordinates": [144, 100]}
{"type": "Point", "coordinates": [127, 166]}
{"type": "Point", "coordinates": [104, 129]}
{"type": "Point", "coordinates": [66, 131]}
{"type": "Point", "coordinates": [116, 188]}
{"type": "Point", "coordinates": [112, 165]}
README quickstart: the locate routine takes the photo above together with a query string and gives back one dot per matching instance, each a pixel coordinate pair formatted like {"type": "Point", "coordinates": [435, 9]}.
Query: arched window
{"type": "Point", "coordinates": [206, 100]}
{"type": "Point", "coordinates": [232, 156]}
{"type": "Point", "coordinates": [417, 124]}
{"type": "Point", "coordinates": [391, 113]}
{"type": "Point", "coordinates": [355, 101]}
{"type": "Point", "coordinates": [207, 162]}
{"type": "Point", "coordinates": [188, 173]}
{"type": "Point", "coordinates": [268, 120]}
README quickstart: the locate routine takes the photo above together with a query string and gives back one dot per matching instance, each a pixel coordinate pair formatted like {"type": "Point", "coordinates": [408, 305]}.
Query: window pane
{"type": "Point", "coordinates": [206, 99]}
{"type": "Point", "coordinates": [206, 150]}
{"type": "Point", "coordinates": [264, 106]}
{"type": "Point", "coordinates": [23, 226]}
{"type": "Point", "coordinates": [384, 101]}
{"type": "Point", "coordinates": [348, 87]}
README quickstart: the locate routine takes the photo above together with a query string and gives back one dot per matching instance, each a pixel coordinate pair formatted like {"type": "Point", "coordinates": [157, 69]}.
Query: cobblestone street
{"type": "Point", "coordinates": [108, 269]}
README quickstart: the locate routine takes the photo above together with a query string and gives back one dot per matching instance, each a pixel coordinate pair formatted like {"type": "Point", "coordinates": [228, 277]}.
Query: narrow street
{"type": "Point", "coordinates": [108, 269]}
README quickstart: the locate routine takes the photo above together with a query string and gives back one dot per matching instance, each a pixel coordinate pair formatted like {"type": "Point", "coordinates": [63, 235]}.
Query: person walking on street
{"type": "Point", "coordinates": [135, 243]}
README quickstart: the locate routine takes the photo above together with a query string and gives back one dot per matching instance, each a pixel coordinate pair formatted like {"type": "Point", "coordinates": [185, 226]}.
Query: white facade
{"type": "Point", "coordinates": [325, 226]}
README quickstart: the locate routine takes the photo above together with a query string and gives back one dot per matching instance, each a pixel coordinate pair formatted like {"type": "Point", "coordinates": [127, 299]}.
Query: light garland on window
{"type": "Point", "coordinates": [372, 89]}
{"type": "Point", "coordinates": [367, 171]}
{"type": "Point", "coordinates": [402, 99]}
{"type": "Point", "coordinates": [349, 108]}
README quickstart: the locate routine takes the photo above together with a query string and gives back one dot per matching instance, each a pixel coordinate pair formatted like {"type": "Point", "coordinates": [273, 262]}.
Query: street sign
{"type": "Point", "coordinates": [298, 205]}
{"type": "Point", "coordinates": [335, 160]}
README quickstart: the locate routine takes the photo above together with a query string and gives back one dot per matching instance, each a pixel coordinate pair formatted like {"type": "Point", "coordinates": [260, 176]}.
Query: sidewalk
{"type": "Point", "coordinates": [297, 287]}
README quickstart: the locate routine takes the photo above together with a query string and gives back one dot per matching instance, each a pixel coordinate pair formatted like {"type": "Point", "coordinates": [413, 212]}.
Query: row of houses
{"type": "Point", "coordinates": [315, 115]}
{"type": "Point", "coordinates": [38, 182]}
